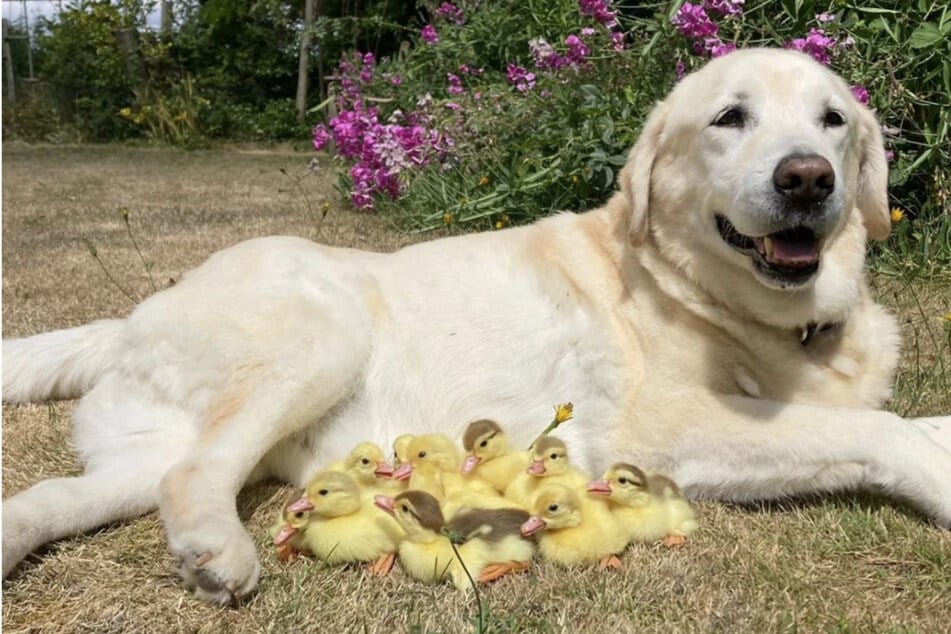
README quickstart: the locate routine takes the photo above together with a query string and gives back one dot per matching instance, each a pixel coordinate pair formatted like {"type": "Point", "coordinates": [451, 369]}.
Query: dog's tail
{"type": "Point", "coordinates": [60, 364]}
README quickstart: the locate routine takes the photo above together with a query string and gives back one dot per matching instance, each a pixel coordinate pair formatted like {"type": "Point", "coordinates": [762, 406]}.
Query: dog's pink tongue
{"type": "Point", "coordinates": [791, 253]}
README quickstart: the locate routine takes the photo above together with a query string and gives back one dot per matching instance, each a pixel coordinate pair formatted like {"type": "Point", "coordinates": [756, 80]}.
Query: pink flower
{"type": "Point", "coordinates": [889, 156]}
{"type": "Point", "coordinates": [816, 44]}
{"type": "Point", "coordinates": [452, 105]}
{"type": "Point", "coordinates": [692, 21]}
{"type": "Point", "coordinates": [321, 136]}
{"type": "Point", "coordinates": [587, 31]}
{"type": "Point", "coordinates": [598, 9]}
{"type": "Point", "coordinates": [680, 69]}
{"type": "Point", "coordinates": [617, 41]}
{"type": "Point", "coordinates": [725, 7]}
{"type": "Point", "coordinates": [577, 50]}
{"type": "Point", "coordinates": [825, 17]}
{"type": "Point", "coordinates": [860, 93]}
{"type": "Point", "coordinates": [429, 34]}
{"type": "Point", "coordinates": [519, 77]}
{"type": "Point", "coordinates": [455, 85]}
{"type": "Point", "coordinates": [451, 13]}
{"type": "Point", "coordinates": [396, 80]}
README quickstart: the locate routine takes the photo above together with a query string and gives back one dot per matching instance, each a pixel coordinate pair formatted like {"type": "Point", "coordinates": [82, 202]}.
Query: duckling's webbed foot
{"type": "Point", "coordinates": [497, 571]}
{"type": "Point", "coordinates": [673, 541]}
{"type": "Point", "coordinates": [611, 561]}
{"type": "Point", "coordinates": [382, 566]}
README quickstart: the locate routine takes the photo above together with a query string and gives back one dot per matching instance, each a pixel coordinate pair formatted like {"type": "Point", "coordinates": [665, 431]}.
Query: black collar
{"type": "Point", "coordinates": [807, 334]}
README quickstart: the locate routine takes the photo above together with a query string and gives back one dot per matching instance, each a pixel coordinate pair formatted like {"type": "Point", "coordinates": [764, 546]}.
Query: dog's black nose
{"type": "Point", "coordinates": [805, 180]}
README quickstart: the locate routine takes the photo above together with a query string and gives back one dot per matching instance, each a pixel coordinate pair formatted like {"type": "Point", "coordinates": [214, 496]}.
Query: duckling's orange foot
{"type": "Point", "coordinates": [611, 561]}
{"type": "Point", "coordinates": [496, 571]}
{"type": "Point", "coordinates": [672, 541]}
{"type": "Point", "coordinates": [382, 566]}
{"type": "Point", "coordinates": [286, 553]}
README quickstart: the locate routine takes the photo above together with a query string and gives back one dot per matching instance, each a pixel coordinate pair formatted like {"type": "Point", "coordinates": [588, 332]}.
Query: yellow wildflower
{"type": "Point", "coordinates": [947, 317]}
{"type": "Point", "coordinates": [897, 214]}
{"type": "Point", "coordinates": [502, 222]}
{"type": "Point", "coordinates": [124, 212]}
{"type": "Point", "coordinates": [447, 219]}
{"type": "Point", "coordinates": [125, 112]}
{"type": "Point", "coordinates": [483, 181]}
{"type": "Point", "coordinates": [574, 178]}
{"type": "Point", "coordinates": [564, 412]}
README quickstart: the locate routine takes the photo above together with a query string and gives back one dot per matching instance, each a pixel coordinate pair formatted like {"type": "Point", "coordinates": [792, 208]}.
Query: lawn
{"type": "Point", "coordinates": [840, 564]}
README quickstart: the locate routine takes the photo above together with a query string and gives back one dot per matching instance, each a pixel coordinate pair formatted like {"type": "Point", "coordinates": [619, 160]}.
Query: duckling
{"type": "Point", "coordinates": [343, 526]}
{"type": "Point", "coordinates": [576, 530]}
{"type": "Point", "coordinates": [489, 456]}
{"type": "Point", "coordinates": [401, 449]}
{"type": "Point", "coordinates": [367, 464]}
{"type": "Point", "coordinates": [433, 465]}
{"type": "Point", "coordinates": [649, 506]}
{"type": "Point", "coordinates": [489, 542]}
{"type": "Point", "coordinates": [549, 465]}
{"type": "Point", "coordinates": [288, 530]}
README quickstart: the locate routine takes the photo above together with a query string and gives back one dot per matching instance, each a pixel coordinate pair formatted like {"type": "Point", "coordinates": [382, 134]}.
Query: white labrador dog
{"type": "Point", "coordinates": [711, 321]}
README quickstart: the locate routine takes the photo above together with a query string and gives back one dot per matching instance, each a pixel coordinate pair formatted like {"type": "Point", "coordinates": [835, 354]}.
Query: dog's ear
{"type": "Point", "coordinates": [871, 196]}
{"type": "Point", "coordinates": [635, 177]}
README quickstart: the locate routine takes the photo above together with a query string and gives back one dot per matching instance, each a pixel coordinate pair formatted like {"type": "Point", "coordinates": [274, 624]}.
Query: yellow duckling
{"type": "Point", "coordinates": [576, 530]}
{"type": "Point", "coordinates": [433, 466]}
{"type": "Point", "coordinates": [488, 454]}
{"type": "Point", "coordinates": [401, 448]}
{"type": "Point", "coordinates": [488, 542]}
{"type": "Point", "coordinates": [648, 506]}
{"type": "Point", "coordinates": [369, 467]}
{"type": "Point", "coordinates": [343, 526]}
{"type": "Point", "coordinates": [549, 465]}
{"type": "Point", "coordinates": [288, 530]}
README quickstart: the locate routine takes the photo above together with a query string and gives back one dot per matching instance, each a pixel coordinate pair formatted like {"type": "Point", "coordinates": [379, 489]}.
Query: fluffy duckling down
{"type": "Point", "coordinates": [649, 506]}
{"type": "Point", "coordinates": [369, 467]}
{"type": "Point", "coordinates": [288, 531]}
{"type": "Point", "coordinates": [343, 525]}
{"type": "Point", "coordinates": [489, 542]}
{"type": "Point", "coordinates": [488, 455]}
{"type": "Point", "coordinates": [549, 465]}
{"type": "Point", "coordinates": [433, 466]}
{"type": "Point", "coordinates": [575, 530]}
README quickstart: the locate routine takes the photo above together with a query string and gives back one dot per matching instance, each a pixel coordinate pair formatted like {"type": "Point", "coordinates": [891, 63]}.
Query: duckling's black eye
{"type": "Point", "coordinates": [552, 508]}
{"type": "Point", "coordinates": [833, 119]}
{"type": "Point", "coordinates": [323, 492]}
{"type": "Point", "coordinates": [623, 480]}
{"type": "Point", "coordinates": [554, 456]}
{"type": "Point", "coordinates": [364, 461]}
{"type": "Point", "coordinates": [484, 443]}
{"type": "Point", "coordinates": [404, 508]}
{"type": "Point", "coordinates": [422, 454]}
{"type": "Point", "coordinates": [299, 514]}
{"type": "Point", "coordinates": [733, 117]}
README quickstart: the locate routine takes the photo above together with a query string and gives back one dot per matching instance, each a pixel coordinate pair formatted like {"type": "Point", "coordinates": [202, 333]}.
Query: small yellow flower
{"type": "Point", "coordinates": [483, 181]}
{"type": "Point", "coordinates": [574, 178]}
{"type": "Point", "coordinates": [125, 112]}
{"type": "Point", "coordinates": [564, 412]}
{"type": "Point", "coordinates": [502, 222]}
{"type": "Point", "coordinates": [124, 212]}
{"type": "Point", "coordinates": [447, 219]}
{"type": "Point", "coordinates": [947, 317]}
{"type": "Point", "coordinates": [897, 214]}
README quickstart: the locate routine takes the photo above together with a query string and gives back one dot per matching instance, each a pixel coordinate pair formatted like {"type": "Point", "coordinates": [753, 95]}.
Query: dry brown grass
{"type": "Point", "coordinates": [843, 564]}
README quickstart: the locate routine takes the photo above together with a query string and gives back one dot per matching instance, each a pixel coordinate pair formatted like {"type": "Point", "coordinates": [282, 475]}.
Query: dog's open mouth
{"type": "Point", "coordinates": [790, 256]}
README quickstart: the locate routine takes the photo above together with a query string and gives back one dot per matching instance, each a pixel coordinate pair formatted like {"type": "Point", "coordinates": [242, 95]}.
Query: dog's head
{"type": "Point", "coordinates": [762, 164]}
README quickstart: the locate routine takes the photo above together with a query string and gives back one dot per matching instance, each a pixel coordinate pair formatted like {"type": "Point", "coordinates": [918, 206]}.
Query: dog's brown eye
{"type": "Point", "coordinates": [833, 119]}
{"type": "Point", "coordinates": [731, 118]}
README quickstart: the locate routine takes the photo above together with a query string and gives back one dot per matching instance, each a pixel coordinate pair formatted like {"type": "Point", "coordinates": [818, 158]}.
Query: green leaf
{"type": "Point", "coordinates": [925, 36]}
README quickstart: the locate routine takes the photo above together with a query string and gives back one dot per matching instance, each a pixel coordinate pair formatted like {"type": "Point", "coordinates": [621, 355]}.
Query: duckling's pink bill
{"type": "Point", "coordinates": [404, 471]}
{"type": "Point", "coordinates": [386, 503]}
{"type": "Point", "coordinates": [532, 525]}
{"type": "Point", "coordinates": [383, 469]}
{"type": "Point", "coordinates": [285, 534]}
{"type": "Point", "coordinates": [599, 487]}
{"type": "Point", "coordinates": [470, 464]}
{"type": "Point", "coordinates": [302, 504]}
{"type": "Point", "coordinates": [536, 468]}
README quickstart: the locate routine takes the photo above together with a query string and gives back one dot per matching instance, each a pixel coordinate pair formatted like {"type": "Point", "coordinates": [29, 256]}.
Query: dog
{"type": "Point", "coordinates": [710, 321]}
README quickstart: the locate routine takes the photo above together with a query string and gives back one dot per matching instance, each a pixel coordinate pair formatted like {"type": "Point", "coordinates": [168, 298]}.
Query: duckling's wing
{"type": "Point", "coordinates": [489, 524]}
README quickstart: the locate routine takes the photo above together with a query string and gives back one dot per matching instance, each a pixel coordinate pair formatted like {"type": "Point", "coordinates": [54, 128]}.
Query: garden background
{"type": "Point", "coordinates": [135, 152]}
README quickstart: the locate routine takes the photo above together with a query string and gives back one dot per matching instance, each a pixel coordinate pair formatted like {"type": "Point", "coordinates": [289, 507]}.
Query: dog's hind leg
{"type": "Point", "coordinates": [761, 449]}
{"type": "Point", "coordinates": [295, 387]}
{"type": "Point", "coordinates": [62, 507]}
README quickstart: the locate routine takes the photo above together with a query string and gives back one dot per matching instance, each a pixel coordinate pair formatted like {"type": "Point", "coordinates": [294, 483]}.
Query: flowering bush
{"type": "Point", "coordinates": [506, 111]}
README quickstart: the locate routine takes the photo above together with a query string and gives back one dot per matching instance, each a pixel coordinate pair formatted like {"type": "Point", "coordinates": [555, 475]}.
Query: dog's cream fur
{"type": "Point", "coordinates": [278, 354]}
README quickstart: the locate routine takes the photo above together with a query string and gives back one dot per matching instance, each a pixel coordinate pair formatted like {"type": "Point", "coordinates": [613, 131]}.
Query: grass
{"type": "Point", "coordinates": [840, 564]}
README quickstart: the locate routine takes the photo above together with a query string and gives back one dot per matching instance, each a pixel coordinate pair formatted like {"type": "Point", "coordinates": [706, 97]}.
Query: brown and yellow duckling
{"type": "Point", "coordinates": [549, 465]}
{"type": "Point", "coordinates": [489, 456]}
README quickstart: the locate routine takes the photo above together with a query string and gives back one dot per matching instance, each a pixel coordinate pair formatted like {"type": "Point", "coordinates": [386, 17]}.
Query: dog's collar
{"type": "Point", "coordinates": [807, 334]}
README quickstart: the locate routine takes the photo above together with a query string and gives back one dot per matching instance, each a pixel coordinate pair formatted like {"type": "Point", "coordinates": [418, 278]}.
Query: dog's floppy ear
{"type": "Point", "coordinates": [871, 196]}
{"type": "Point", "coordinates": [635, 177]}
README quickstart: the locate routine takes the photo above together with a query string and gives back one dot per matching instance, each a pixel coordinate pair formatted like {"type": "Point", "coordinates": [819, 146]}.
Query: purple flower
{"type": "Point", "coordinates": [451, 13]}
{"type": "Point", "coordinates": [455, 85]}
{"type": "Point", "coordinates": [452, 105]}
{"type": "Point", "coordinates": [577, 50]}
{"type": "Point", "coordinates": [860, 93]}
{"type": "Point", "coordinates": [321, 136]}
{"type": "Point", "coordinates": [725, 7]}
{"type": "Point", "coordinates": [396, 80]}
{"type": "Point", "coordinates": [692, 21]}
{"type": "Point", "coordinates": [519, 77]}
{"type": "Point", "coordinates": [680, 69]}
{"type": "Point", "coordinates": [429, 34]}
{"type": "Point", "coordinates": [598, 9]}
{"type": "Point", "coordinates": [889, 156]}
{"type": "Point", "coordinates": [825, 17]}
{"type": "Point", "coordinates": [588, 31]}
{"type": "Point", "coordinates": [617, 41]}
{"type": "Point", "coordinates": [816, 44]}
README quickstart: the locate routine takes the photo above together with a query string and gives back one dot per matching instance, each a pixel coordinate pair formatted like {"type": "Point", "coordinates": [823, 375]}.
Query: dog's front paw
{"type": "Point", "coordinates": [219, 563]}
